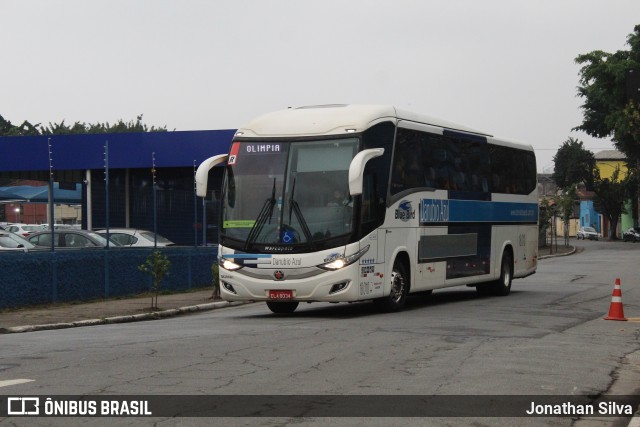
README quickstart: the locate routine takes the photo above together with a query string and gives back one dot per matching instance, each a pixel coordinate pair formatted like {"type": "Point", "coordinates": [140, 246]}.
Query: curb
{"type": "Point", "coordinates": [573, 251]}
{"type": "Point", "coordinates": [124, 319]}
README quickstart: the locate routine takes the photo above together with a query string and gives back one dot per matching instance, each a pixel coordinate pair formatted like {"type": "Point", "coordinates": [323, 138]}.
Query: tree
{"type": "Point", "coordinates": [573, 165]}
{"type": "Point", "coordinates": [609, 84]}
{"type": "Point", "coordinates": [611, 194]}
{"type": "Point", "coordinates": [26, 128]}
{"type": "Point", "coordinates": [83, 128]}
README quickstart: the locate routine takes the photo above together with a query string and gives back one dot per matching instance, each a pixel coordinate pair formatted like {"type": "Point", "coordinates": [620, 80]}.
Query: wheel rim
{"type": "Point", "coordinates": [506, 274]}
{"type": "Point", "coordinates": [397, 286]}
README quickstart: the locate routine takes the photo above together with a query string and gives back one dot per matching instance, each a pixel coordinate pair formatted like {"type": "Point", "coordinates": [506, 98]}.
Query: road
{"type": "Point", "coordinates": [547, 338]}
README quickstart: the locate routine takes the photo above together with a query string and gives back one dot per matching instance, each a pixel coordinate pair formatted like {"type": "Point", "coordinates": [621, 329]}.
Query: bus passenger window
{"type": "Point", "coordinates": [407, 165]}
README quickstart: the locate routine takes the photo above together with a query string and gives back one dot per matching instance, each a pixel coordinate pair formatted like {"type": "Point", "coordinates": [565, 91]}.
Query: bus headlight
{"type": "Point", "coordinates": [342, 262]}
{"type": "Point", "coordinates": [228, 265]}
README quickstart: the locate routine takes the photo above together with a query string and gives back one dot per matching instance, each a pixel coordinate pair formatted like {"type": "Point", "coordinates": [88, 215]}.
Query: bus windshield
{"type": "Point", "coordinates": [287, 193]}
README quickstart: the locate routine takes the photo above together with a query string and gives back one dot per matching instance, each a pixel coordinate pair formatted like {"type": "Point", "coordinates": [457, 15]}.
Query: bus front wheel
{"type": "Point", "coordinates": [282, 307]}
{"type": "Point", "coordinates": [399, 289]}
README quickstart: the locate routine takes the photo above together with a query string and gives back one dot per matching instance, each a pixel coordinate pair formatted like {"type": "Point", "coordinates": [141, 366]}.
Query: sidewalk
{"type": "Point", "coordinates": [550, 251]}
{"type": "Point", "coordinates": [67, 315]}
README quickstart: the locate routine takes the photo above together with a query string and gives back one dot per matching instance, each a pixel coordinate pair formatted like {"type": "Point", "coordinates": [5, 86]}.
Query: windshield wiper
{"type": "Point", "coordinates": [265, 214]}
{"type": "Point", "coordinates": [293, 206]}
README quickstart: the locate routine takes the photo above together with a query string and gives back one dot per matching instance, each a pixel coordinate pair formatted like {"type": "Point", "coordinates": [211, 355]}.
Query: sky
{"type": "Point", "coordinates": [501, 66]}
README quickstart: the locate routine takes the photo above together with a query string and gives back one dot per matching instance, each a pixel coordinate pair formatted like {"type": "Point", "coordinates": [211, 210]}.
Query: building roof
{"type": "Point", "coordinates": [610, 155]}
{"type": "Point", "coordinates": [126, 150]}
{"type": "Point", "coordinates": [40, 194]}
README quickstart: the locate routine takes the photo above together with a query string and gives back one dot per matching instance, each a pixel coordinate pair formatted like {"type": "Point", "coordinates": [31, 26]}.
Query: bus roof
{"type": "Point", "coordinates": [336, 119]}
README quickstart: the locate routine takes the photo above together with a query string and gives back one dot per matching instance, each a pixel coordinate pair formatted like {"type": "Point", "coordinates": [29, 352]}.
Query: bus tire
{"type": "Point", "coordinates": [399, 290]}
{"type": "Point", "coordinates": [282, 307]}
{"type": "Point", "coordinates": [502, 286]}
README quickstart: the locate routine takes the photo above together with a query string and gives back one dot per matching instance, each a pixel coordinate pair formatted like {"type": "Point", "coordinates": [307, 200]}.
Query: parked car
{"type": "Point", "coordinates": [69, 238]}
{"type": "Point", "coordinates": [24, 230]}
{"type": "Point", "coordinates": [12, 242]}
{"type": "Point", "coordinates": [67, 226]}
{"type": "Point", "coordinates": [134, 237]}
{"type": "Point", "coordinates": [587, 233]}
{"type": "Point", "coordinates": [631, 235]}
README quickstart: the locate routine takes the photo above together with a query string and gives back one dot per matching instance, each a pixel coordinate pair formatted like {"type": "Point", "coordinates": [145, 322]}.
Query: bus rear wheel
{"type": "Point", "coordinates": [399, 289]}
{"type": "Point", "coordinates": [282, 307]}
{"type": "Point", "coordinates": [502, 286]}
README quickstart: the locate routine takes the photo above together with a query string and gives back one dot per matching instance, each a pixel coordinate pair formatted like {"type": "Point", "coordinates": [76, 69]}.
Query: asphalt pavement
{"type": "Point", "coordinates": [139, 308]}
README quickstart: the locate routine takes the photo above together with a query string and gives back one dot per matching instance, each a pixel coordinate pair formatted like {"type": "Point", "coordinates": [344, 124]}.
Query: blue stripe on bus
{"type": "Point", "coordinates": [476, 211]}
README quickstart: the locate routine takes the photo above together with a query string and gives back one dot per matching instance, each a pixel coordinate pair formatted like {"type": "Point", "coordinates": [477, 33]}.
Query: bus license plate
{"type": "Point", "coordinates": [281, 294]}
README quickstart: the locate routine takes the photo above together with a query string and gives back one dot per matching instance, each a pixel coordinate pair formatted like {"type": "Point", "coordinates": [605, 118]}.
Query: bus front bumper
{"type": "Point", "coordinates": [310, 284]}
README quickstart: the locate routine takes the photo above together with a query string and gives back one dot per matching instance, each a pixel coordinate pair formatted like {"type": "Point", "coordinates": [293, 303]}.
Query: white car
{"type": "Point", "coordinates": [134, 237]}
{"type": "Point", "coordinates": [587, 233]}
{"type": "Point", "coordinates": [25, 230]}
{"type": "Point", "coordinates": [631, 235]}
{"type": "Point", "coordinates": [13, 242]}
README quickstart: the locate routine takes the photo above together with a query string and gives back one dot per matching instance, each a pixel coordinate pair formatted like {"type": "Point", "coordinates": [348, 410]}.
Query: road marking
{"type": "Point", "coordinates": [7, 383]}
{"type": "Point", "coordinates": [633, 319]}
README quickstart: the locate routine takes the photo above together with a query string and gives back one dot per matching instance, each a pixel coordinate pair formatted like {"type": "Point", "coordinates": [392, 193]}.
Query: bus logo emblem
{"type": "Point", "coordinates": [405, 211]}
{"type": "Point", "coordinates": [278, 274]}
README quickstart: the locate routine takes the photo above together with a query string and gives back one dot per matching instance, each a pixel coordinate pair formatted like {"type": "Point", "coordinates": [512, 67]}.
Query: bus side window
{"type": "Point", "coordinates": [457, 176]}
{"type": "Point", "coordinates": [430, 177]}
{"type": "Point", "coordinates": [407, 168]}
{"type": "Point", "coordinates": [441, 169]}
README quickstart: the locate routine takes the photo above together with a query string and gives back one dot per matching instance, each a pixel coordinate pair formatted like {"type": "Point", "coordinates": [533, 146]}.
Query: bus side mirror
{"type": "Point", "coordinates": [202, 173]}
{"type": "Point", "coordinates": [356, 168]}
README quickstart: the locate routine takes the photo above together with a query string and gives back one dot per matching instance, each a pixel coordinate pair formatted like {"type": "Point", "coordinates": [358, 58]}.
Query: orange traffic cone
{"type": "Point", "coordinates": [616, 311]}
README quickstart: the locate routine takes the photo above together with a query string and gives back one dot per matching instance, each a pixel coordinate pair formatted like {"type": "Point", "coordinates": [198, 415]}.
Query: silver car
{"type": "Point", "coordinates": [134, 237]}
{"type": "Point", "coordinates": [587, 233]}
{"type": "Point", "coordinates": [12, 242]}
{"type": "Point", "coordinates": [70, 238]}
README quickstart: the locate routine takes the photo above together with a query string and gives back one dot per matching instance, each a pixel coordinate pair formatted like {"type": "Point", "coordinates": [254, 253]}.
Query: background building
{"type": "Point", "coordinates": [607, 162]}
{"type": "Point", "coordinates": [150, 179]}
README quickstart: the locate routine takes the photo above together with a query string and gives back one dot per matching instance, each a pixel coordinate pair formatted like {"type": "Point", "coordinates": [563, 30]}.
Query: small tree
{"type": "Point", "coordinates": [566, 203]}
{"type": "Point", "coordinates": [546, 212]}
{"type": "Point", "coordinates": [215, 274]}
{"type": "Point", "coordinates": [157, 266]}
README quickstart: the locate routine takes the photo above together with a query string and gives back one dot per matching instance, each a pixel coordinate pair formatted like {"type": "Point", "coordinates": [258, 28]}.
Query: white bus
{"type": "Point", "coordinates": [364, 202]}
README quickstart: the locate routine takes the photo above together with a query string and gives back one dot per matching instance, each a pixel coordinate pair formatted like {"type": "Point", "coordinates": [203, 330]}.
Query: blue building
{"type": "Point", "coordinates": [589, 217]}
{"type": "Point", "coordinates": [150, 177]}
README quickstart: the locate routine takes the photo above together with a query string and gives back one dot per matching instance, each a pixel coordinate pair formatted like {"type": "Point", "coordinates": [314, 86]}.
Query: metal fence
{"type": "Point", "coordinates": [40, 277]}
{"type": "Point", "coordinates": [154, 193]}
